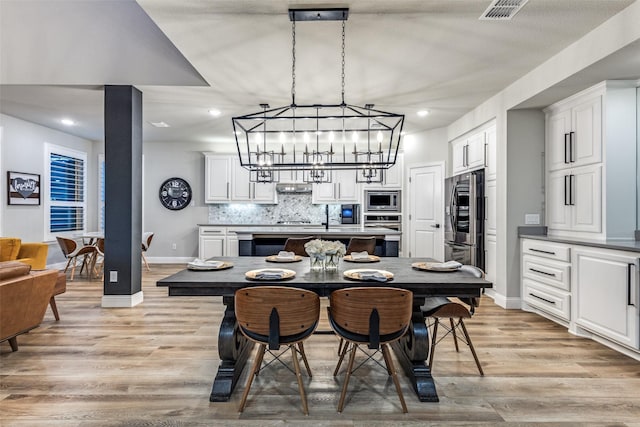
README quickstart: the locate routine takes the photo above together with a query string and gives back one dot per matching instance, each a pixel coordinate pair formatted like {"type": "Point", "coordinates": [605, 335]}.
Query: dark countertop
{"type": "Point", "coordinates": [622, 245]}
{"type": "Point", "coordinates": [421, 283]}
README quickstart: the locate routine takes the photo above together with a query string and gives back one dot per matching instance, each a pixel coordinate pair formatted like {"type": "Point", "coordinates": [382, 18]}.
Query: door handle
{"type": "Point", "coordinates": [435, 226]}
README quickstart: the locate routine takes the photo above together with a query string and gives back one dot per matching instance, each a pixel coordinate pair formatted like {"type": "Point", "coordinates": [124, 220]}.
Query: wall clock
{"type": "Point", "coordinates": [175, 194]}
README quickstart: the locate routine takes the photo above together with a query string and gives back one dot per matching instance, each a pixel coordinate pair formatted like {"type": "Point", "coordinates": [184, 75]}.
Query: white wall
{"type": "Point", "coordinates": [425, 147]}
{"type": "Point", "coordinates": [23, 151]}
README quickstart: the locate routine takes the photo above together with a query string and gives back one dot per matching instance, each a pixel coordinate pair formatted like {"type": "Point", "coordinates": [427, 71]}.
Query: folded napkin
{"type": "Point", "coordinates": [471, 269]}
{"type": "Point", "coordinates": [286, 255]}
{"type": "Point", "coordinates": [270, 274]}
{"type": "Point", "coordinates": [372, 275]}
{"type": "Point", "coordinates": [204, 263]}
{"type": "Point", "coordinates": [360, 255]}
{"type": "Point", "coordinates": [446, 265]}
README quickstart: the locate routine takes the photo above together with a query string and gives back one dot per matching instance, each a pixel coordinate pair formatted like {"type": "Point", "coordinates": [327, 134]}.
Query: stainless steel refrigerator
{"type": "Point", "coordinates": [464, 218]}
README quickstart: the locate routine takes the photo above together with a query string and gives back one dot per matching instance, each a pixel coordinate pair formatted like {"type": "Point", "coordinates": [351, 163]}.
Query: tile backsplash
{"type": "Point", "coordinates": [290, 207]}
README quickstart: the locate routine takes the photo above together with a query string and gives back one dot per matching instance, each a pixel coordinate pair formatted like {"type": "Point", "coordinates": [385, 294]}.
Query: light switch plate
{"type": "Point", "coordinates": [532, 219]}
{"type": "Point", "coordinates": [113, 276]}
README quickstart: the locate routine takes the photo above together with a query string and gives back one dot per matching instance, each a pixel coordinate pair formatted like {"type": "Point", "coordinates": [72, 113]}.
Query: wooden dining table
{"type": "Point", "coordinates": [411, 351]}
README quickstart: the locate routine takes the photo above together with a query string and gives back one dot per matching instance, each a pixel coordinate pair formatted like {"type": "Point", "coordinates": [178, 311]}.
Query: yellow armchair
{"type": "Point", "coordinates": [34, 254]}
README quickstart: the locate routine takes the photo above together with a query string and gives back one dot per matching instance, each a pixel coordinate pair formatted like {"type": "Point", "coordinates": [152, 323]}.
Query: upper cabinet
{"type": "Point", "coordinates": [586, 195]}
{"type": "Point", "coordinates": [392, 177]}
{"type": "Point", "coordinates": [490, 153]}
{"type": "Point", "coordinates": [342, 189]}
{"type": "Point", "coordinates": [468, 153]}
{"type": "Point", "coordinates": [227, 181]}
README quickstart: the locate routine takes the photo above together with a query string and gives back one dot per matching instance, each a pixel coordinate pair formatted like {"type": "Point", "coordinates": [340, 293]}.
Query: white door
{"type": "Point", "coordinates": [426, 208]}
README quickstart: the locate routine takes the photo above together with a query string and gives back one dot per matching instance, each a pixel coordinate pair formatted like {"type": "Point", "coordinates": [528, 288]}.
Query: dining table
{"type": "Point", "coordinates": [408, 273]}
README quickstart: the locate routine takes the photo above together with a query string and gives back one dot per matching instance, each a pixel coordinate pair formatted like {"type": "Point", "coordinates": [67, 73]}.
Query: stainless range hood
{"type": "Point", "coordinates": [293, 188]}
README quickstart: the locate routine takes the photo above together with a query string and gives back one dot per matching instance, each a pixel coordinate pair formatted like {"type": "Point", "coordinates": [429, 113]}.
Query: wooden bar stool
{"type": "Point", "coordinates": [273, 316]}
{"type": "Point", "coordinates": [375, 316]}
{"type": "Point", "coordinates": [360, 244]}
{"type": "Point", "coordinates": [296, 245]}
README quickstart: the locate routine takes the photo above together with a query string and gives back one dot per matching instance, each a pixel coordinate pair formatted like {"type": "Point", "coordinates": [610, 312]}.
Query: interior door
{"type": "Point", "coordinates": [426, 212]}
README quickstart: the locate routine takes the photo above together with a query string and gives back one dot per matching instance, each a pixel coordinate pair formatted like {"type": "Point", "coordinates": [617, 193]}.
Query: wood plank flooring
{"type": "Point", "coordinates": [154, 364]}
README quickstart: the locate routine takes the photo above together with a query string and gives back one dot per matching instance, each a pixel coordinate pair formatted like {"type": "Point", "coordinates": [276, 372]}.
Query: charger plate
{"type": "Point", "coordinates": [433, 266]}
{"type": "Point", "coordinates": [209, 267]}
{"type": "Point", "coordinates": [275, 258]}
{"type": "Point", "coordinates": [355, 274]}
{"type": "Point", "coordinates": [286, 274]}
{"type": "Point", "coordinates": [371, 258]}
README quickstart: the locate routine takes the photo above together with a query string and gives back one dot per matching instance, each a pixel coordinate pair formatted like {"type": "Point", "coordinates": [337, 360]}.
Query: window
{"type": "Point", "coordinates": [66, 190]}
{"type": "Point", "coordinates": [101, 192]}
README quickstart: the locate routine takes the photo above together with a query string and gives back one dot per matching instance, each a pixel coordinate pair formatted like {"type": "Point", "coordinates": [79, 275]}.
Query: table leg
{"type": "Point", "coordinates": [412, 352]}
{"type": "Point", "coordinates": [234, 350]}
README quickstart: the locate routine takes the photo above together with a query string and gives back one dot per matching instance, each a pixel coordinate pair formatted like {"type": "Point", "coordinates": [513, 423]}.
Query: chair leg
{"type": "Point", "coordinates": [394, 374]}
{"type": "Point", "coordinates": [73, 268]}
{"type": "Point", "coordinates": [304, 358]}
{"type": "Point", "coordinates": [67, 266]}
{"type": "Point", "coordinates": [453, 332]}
{"type": "Point", "coordinates": [54, 307]}
{"type": "Point", "coordinates": [296, 365]}
{"type": "Point", "coordinates": [342, 354]}
{"type": "Point", "coordinates": [473, 350]}
{"type": "Point", "coordinates": [352, 357]}
{"type": "Point", "coordinates": [247, 387]}
{"type": "Point", "coordinates": [13, 342]}
{"type": "Point", "coordinates": [432, 350]}
{"type": "Point", "coordinates": [340, 345]}
{"type": "Point", "coordinates": [144, 259]}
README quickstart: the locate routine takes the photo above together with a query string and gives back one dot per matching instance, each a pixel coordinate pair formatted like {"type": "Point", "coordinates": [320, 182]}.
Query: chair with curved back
{"type": "Point", "coordinates": [438, 308]}
{"type": "Point", "coordinates": [296, 245]}
{"type": "Point", "coordinates": [272, 316]}
{"type": "Point", "coordinates": [97, 263]}
{"type": "Point", "coordinates": [375, 316]}
{"type": "Point", "coordinates": [147, 237]}
{"type": "Point", "coordinates": [72, 252]}
{"type": "Point", "coordinates": [360, 244]}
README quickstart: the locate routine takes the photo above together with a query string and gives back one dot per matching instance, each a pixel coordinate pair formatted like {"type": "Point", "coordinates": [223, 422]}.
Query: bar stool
{"type": "Point", "coordinates": [273, 316]}
{"type": "Point", "coordinates": [360, 244]}
{"type": "Point", "coordinates": [296, 245]}
{"type": "Point", "coordinates": [375, 316]}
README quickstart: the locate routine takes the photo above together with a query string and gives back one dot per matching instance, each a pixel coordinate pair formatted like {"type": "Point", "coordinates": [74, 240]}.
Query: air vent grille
{"type": "Point", "coordinates": [502, 9]}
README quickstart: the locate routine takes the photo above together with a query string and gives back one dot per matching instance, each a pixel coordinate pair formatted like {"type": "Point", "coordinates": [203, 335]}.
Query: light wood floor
{"type": "Point", "coordinates": [154, 364]}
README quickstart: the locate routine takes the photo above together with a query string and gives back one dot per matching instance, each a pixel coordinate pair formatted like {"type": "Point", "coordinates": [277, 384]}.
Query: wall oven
{"type": "Point", "coordinates": [382, 201]}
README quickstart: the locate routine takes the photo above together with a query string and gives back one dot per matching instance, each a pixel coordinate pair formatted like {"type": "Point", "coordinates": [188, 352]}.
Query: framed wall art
{"type": "Point", "coordinates": [23, 188]}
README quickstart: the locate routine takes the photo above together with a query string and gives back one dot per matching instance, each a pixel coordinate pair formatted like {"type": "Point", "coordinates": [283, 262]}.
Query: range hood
{"type": "Point", "coordinates": [293, 188]}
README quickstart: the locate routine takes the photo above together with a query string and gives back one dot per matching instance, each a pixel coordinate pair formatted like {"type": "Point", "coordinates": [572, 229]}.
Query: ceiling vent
{"type": "Point", "coordinates": [500, 10]}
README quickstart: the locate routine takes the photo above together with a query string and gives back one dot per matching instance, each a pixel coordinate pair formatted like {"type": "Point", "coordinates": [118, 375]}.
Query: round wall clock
{"type": "Point", "coordinates": [175, 194]}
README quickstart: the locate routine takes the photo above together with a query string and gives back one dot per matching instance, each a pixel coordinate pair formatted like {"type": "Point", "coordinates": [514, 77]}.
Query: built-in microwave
{"type": "Point", "coordinates": [385, 201]}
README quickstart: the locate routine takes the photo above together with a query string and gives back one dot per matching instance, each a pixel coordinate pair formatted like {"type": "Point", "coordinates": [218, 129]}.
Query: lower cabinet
{"type": "Point", "coordinates": [216, 241]}
{"type": "Point", "coordinates": [607, 294]}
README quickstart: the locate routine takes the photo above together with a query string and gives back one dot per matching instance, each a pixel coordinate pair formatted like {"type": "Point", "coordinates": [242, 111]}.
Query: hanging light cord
{"type": "Point", "coordinates": [344, 21]}
{"type": "Point", "coordinates": [293, 63]}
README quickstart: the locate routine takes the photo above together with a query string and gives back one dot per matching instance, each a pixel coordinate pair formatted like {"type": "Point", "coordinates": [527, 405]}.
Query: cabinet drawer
{"type": "Point", "coordinates": [550, 250]}
{"type": "Point", "coordinates": [547, 299]}
{"type": "Point", "coordinates": [548, 271]}
{"type": "Point", "coordinates": [212, 231]}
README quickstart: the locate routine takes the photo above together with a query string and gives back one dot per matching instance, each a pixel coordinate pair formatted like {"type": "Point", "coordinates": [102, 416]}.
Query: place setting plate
{"type": "Point", "coordinates": [441, 267]}
{"type": "Point", "coordinates": [208, 265]}
{"type": "Point", "coordinates": [370, 258]}
{"type": "Point", "coordinates": [368, 275]}
{"type": "Point", "coordinates": [276, 258]}
{"type": "Point", "coordinates": [270, 274]}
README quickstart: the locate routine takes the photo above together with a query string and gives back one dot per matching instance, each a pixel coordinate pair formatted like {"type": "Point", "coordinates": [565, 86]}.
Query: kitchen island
{"type": "Point", "coordinates": [263, 241]}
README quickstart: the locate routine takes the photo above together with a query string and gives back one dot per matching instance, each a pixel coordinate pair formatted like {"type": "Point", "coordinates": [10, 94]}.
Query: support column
{"type": "Point", "coordinates": [123, 196]}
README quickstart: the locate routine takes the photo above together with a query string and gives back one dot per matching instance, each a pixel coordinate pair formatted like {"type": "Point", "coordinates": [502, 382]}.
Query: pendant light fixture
{"type": "Point", "coordinates": [317, 139]}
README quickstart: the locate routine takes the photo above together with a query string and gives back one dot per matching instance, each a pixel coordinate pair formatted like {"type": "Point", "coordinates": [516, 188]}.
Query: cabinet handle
{"type": "Point", "coordinates": [542, 272]}
{"type": "Point", "coordinates": [566, 192]}
{"type": "Point", "coordinates": [566, 149]}
{"type": "Point", "coordinates": [227, 190]}
{"type": "Point", "coordinates": [466, 157]}
{"type": "Point", "coordinates": [339, 190]}
{"type": "Point", "coordinates": [485, 155]}
{"type": "Point", "coordinates": [543, 299]}
{"type": "Point", "coordinates": [629, 268]}
{"type": "Point", "coordinates": [572, 138]}
{"type": "Point", "coordinates": [541, 251]}
{"type": "Point", "coordinates": [572, 201]}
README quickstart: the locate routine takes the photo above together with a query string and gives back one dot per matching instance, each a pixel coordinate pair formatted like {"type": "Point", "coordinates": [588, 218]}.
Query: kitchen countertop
{"type": "Point", "coordinates": [311, 230]}
{"type": "Point", "coordinates": [622, 245]}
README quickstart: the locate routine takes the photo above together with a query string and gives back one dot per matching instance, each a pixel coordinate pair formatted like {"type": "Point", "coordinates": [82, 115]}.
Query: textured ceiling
{"type": "Point", "coordinates": [188, 56]}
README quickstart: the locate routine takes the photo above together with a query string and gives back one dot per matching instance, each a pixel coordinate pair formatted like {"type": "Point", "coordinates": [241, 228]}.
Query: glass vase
{"type": "Point", "coordinates": [332, 262]}
{"type": "Point", "coordinates": [317, 262]}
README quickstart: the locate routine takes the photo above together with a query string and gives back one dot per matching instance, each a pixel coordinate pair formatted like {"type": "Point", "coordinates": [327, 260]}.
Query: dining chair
{"type": "Point", "coordinates": [296, 245]}
{"type": "Point", "coordinates": [97, 261]}
{"type": "Point", "coordinates": [272, 316]}
{"type": "Point", "coordinates": [147, 237]}
{"type": "Point", "coordinates": [372, 316]}
{"type": "Point", "coordinates": [360, 244]}
{"type": "Point", "coordinates": [72, 252]}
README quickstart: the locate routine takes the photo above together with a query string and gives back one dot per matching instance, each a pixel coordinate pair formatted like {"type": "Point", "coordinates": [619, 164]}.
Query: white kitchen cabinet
{"type": "Point", "coordinates": [490, 247]}
{"type": "Point", "coordinates": [606, 291]}
{"type": "Point", "coordinates": [574, 199]}
{"type": "Point", "coordinates": [231, 244]}
{"type": "Point", "coordinates": [491, 222]}
{"type": "Point", "coordinates": [392, 178]}
{"type": "Point", "coordinates": [468, 153]}
{"type": "Point", "coordinates": [211, 242]}
{"type": "Point", "coordinates": [227, 181]}
{"type": "Point", "coordinates": [491, 172]}
{"type": "Point", "coordinates": [343, 188]}
{"type": "Point", "coordinates": [575, 133]}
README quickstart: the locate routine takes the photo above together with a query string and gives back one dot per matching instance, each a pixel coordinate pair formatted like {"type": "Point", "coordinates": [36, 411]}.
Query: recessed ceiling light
{"type": "Point", "coordinates": [160, 124]}
{"type": "Point", "coordinates": [214, 112]}
{"type": "Point", "coordinates": [423, 113]}
{"type": "Point", "coordinates": [67, 122]}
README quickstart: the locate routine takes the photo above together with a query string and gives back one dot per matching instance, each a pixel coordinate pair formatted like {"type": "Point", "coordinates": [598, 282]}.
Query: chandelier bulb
{"type": "Point", "coordinates": [379, 137]}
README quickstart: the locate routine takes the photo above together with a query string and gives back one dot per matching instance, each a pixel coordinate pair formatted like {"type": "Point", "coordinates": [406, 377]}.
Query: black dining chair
{"type": "Point", "coordinates": [272, 316]}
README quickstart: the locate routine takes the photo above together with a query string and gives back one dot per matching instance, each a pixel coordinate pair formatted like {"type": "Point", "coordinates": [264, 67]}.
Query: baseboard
{"type": "Point", "coordinates": [122, 301]}
{"type": "Point", "coordinates": [169, 260]}
{"type": "Point", "coordinates": [503, 301]}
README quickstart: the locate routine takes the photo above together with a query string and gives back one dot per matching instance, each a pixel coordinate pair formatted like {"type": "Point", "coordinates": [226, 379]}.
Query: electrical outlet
{"type": "Point", "coordinates": [174, 246]}
{"type": "Point", "coordinates": [113, 276]}
{"type": "Point", "coordinates": [532, 219]}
